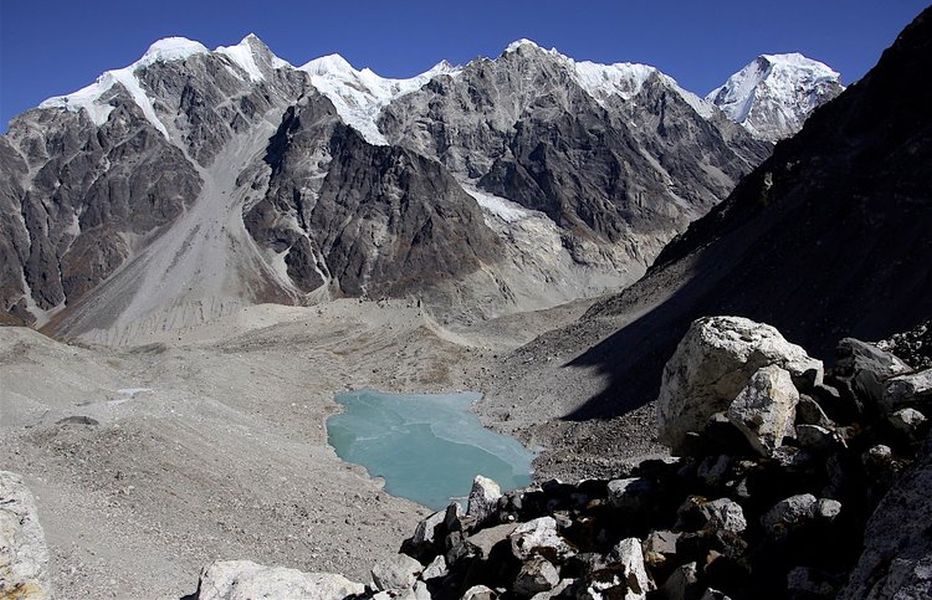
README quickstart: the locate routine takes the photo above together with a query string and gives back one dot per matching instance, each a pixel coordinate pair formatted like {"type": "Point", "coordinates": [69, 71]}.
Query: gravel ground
{"type": "Point", "coordinates": [209, 443]}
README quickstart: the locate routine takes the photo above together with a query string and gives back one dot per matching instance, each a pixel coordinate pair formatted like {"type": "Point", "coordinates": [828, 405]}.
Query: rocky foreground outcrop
{"type": "Point", "coordinates": [795, 482]}
{"type": "Point", "coordinates": [24, 556]}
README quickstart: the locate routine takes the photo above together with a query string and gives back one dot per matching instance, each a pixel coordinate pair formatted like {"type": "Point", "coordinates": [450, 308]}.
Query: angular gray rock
{"type": "Point", "coordinates": [908, 420]}
{"type": "Point", "coordinates": [809, 412]}
{"type": "Point", "coordinates": [539, 536]}
{"type": "Point", "coordinates": [724, 514]}
{"type": "Point", "coordinates": [396, 573]}
{"type": "Point", "coordinates": [437, 568]}
{"type": "Point", "coordinates": [712, 363]}
{"type": "Point", "coordinates": [798, 511]}
{"type": "Point", "coordinates": [246, 580]}
{"type": "Point", "coordinates": [913, 390]}
{"type": "Point", "coordinates": [536, 575]}
{"type": "Point", "coordinates": [483, 498]}
{"type": "Point", "coordinates": [867, 367]}
{"type": "Point", "coordinates": [681, 582]}
{"type": "Point", "coordinates": [24, 556]}
{"type": "Point", "coordinates": [630, 494]}
{"type": "Point", "coordinates": [765, 409]}
{"type": "Point", "coordinates": [629, 553]}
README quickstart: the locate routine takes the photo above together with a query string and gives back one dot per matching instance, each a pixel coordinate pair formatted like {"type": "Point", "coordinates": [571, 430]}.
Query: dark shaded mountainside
{"type": "Point", "coordinates": [830, 237]}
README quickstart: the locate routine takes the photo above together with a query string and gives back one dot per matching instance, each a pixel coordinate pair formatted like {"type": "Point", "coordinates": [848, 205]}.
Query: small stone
{"type": "Point", "coordinates": [908, 420]}
{"type": "Point", "coordinates": [536, 575]}
{"type": "Point", "coordinates": [827, 509]}
{"type": "Point", "coordinates": [659, 547]}
{"type": "Point", "coordinates": [479, 592]}
{"type": "Point", "coordinates": [436, 569]}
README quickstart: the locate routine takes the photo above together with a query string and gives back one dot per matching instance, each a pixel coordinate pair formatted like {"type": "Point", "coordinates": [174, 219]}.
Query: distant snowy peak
{"type": "Point", "coordinates": [773, 96]}
{"type": "Point", "coordinates": [250, 59]}
{"type": "Point", "coordinates": [360, 95]}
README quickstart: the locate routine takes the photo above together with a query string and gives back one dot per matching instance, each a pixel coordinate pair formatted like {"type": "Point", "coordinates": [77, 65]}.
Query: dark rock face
{"type": "Point", "coordinates": [89, 187]}
{"type": "Point", "coordinates": [376, 220]}
{"type": "Point", "coordinates": [827, 238]}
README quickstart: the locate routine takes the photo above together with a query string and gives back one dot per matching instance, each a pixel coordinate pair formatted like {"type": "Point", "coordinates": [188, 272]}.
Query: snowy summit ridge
{"type": "Point", "coordinates": [773, 95]}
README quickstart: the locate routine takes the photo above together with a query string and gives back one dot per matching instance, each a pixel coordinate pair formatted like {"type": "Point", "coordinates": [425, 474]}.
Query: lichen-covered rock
{"type": "Point", "coordinates": [765, 409]}
{"type": "Point", "coordinates": [24, 556]}
{"type": "Point", "coordinates": [246, 580]}
{"type": "Point", "coordinates": [712, 364]}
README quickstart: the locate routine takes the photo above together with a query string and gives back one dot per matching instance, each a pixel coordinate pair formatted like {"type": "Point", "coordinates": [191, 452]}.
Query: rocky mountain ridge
{"type": "Point", "coordinates": [100, 239]}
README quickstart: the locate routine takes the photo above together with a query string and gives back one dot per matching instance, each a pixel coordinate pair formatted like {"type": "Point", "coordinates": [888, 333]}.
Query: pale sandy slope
{"type": "Point", "coordinates": [210, 440]}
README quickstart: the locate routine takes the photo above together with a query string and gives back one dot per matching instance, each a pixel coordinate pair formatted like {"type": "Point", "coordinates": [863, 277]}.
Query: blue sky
{"type": "Point", "coordinates": [51, 48]}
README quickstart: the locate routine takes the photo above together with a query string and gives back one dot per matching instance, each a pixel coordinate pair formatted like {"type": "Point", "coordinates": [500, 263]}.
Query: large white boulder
{"type": "Point", "coordinates": [24, 556]}
{"type": "Point", "coordinates": [712, 363]}
{"type": "Point", "coordinates": [246, 580]}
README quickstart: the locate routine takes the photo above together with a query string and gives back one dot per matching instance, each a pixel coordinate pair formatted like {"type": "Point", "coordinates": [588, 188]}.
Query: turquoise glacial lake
{"type": "Point", "coordinates": [427, 447]}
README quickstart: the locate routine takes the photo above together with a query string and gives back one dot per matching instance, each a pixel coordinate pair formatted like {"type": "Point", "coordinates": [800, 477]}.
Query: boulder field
{"type": "Point", "coordinates": [788, 480]}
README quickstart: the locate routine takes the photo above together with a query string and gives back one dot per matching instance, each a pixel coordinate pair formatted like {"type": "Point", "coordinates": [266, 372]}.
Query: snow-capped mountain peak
{"type": "Point", "coordinates": [249, 55]}
{"type": "Point", "coordinates": [360, 95]}
{"type": "Point", "coordinates": [773, 95]}
{"type": "Point", "coordinates": [601, 81]}
{"type": "Point", "coordinates": [169, 49]}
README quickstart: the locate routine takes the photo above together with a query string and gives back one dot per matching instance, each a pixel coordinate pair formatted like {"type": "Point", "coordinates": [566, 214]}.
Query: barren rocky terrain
{"type": "Point", "coordinates": [152, 460]}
